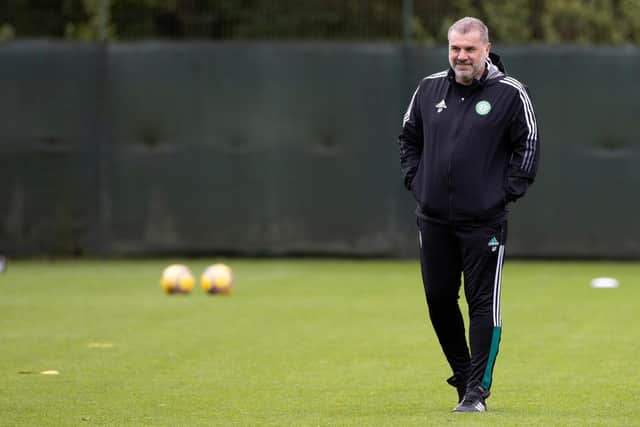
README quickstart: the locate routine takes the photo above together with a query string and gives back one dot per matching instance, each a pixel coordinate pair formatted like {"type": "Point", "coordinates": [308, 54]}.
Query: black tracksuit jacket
{"type": "Point", "coordinates": [467, 151]}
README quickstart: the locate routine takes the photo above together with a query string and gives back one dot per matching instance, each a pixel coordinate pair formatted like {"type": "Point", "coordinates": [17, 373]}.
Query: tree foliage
{"type": "Point", "coordinates": [554, 21]}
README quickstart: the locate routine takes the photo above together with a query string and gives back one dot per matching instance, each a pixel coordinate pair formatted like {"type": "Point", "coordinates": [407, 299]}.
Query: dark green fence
{"type": "Point", "coordinates": [265, 148]}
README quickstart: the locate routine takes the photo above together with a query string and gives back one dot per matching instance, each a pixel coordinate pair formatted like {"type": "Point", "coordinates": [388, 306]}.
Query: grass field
{"type": "Point", "coordinates": [306, 343]}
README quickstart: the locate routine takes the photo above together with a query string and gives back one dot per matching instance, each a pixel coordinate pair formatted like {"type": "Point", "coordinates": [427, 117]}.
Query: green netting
{"type": "Point", "coordinates": [277, 148]}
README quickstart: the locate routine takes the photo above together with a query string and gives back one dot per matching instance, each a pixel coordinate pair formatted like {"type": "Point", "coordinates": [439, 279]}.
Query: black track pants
{"type": "Point", "coordinates": [476, 252]}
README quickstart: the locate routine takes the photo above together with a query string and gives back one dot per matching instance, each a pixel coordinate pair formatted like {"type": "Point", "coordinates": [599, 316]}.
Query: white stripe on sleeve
{"type": "Point", "coordinates": [532, 136]}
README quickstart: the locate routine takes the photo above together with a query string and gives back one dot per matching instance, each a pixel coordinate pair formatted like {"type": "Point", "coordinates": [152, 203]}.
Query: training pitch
{"type": "Point", "coordinates": [306, 343]}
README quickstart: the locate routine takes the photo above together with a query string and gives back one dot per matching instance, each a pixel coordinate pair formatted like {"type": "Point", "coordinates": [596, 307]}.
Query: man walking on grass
{"type": "Point", "coordinates": [469, 147]}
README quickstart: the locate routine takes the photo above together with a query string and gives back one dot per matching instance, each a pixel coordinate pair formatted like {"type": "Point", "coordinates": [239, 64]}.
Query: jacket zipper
{"type": "Point", "coordinates": [462, 103]}
{"type": "Point", "coordinates": [455, 146]}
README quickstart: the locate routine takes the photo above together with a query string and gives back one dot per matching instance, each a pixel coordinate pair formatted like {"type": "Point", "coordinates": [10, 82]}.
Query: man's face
{"type": "Point", "coordinates": [467, 55]}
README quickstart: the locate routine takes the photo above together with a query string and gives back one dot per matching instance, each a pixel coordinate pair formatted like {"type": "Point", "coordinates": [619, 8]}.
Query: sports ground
{"type": "Point", "coordinates": [306, 342]}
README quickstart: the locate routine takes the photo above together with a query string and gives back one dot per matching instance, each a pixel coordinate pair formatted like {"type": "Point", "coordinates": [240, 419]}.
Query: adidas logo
{"type": "Point", "coordinates": [441, 106]}
{"type": "Point", "coordinates": [493, 244]}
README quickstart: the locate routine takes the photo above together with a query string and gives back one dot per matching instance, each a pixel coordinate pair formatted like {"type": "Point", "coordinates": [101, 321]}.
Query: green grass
{"type": "Point", "coordinates": [306, 343]}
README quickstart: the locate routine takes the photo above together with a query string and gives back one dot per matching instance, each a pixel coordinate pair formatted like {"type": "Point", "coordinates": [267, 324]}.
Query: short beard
{"type": "Point", "coordinates": [464, 78]}
{"type": "Point", "coordinates": [468, 76]}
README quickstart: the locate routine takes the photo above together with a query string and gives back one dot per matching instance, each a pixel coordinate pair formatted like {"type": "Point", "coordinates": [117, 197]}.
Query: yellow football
{"type": "Point", "coordinates": [177, 278]}
{"type": "Point", "coordinates": [217, 279]}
